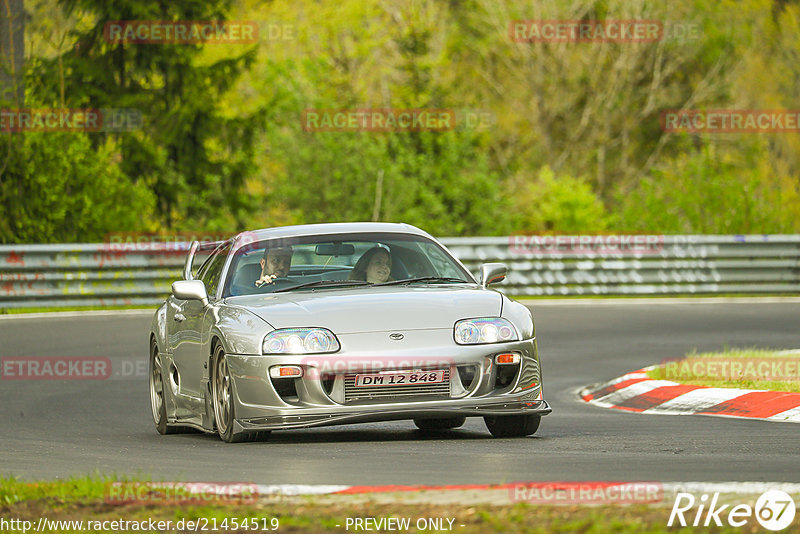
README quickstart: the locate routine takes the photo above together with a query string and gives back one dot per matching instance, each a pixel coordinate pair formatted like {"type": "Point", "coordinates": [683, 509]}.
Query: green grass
{"type": "Point", "coordinates": [83, 499]}
{"type": "Point", "coordinates": [734, 368]}
{"type": "Point", "coordinates": [15, 311]}
{"type": "Point", "coordinates": [73, 489]}
{"type": "Point", "coordinates": [523, 298]}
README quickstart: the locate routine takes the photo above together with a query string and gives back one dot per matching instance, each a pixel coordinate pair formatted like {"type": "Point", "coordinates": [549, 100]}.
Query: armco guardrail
{"type": "Point", "coordinates": [639, 265]}
{"type": "Point", "coordinates": [99, 275]}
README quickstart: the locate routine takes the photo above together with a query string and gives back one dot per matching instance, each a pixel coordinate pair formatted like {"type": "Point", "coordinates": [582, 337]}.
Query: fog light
{"type": "Point", "coordinates": [286, 371]}
{"type": "Point", "coordinates": [506, 359]}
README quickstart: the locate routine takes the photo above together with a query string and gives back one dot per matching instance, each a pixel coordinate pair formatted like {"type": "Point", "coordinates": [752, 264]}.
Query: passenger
{"type": "Point", "coordinates": [374, 266]}
{"type": "Point", "coordinates": [275, 264]}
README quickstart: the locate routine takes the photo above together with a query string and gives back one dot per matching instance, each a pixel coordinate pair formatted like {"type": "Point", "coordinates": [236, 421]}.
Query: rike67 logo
{"type": "Point", "coordinates": [774, 510]}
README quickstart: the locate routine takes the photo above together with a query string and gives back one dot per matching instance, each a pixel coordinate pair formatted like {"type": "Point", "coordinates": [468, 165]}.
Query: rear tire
{"type": "Point", "coordinates": [157, 404]}
{"type": "Point", "coordinates": [512, 426]}
{"type": "Point", "coordinates": [442, 423]}
{"type": "Point", "coordinates": [224, 411]}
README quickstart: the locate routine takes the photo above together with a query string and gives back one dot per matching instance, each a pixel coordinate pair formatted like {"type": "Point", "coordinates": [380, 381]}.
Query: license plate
{"type": "Point", "coordinates": [403, 378]}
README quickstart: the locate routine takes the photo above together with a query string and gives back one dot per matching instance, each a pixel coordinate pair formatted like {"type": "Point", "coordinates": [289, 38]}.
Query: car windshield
{"type": "Point", "coordinates": [340, 261]}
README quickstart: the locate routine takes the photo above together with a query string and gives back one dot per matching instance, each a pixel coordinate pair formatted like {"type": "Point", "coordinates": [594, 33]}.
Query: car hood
{"type": "Point", "coordinates": [363, 309]}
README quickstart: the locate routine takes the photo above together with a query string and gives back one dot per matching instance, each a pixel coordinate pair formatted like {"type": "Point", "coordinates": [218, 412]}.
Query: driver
{"type": "Point", "coordinates": [275, 264]}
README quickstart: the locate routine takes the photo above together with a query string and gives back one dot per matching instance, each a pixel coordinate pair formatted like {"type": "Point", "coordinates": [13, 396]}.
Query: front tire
{"type": "Point", "coordinates": [224, 412]}
{"type": "Point", "coordinates": [512, 426]}
{"type": "Point", "coordinates": [442, 423]}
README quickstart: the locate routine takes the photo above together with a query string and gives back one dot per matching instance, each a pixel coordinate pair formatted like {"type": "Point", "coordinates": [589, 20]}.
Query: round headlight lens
{"type": "Point", "coordinates": [275, 345]}
{"type": "Point", "coordinates": [467, 332]}
{"type": "Point", "coordinates": [505, 333]}
{"type": "Point", "coordinates": [489, 333]}
{"type": "Point", "coordinates": [294, 344]}
{"type": "Point", "coordinates": [317, 341]}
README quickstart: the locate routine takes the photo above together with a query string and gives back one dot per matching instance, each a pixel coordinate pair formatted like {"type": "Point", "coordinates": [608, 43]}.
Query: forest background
{"type": "Point", "coordinates": [552, 137]}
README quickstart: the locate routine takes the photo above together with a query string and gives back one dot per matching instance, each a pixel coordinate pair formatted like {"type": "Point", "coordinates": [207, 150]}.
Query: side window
{"type": "Point", "coordinates": [212, 270]}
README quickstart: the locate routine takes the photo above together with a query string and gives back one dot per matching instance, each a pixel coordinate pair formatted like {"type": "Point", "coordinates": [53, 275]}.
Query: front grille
{"type": "Point", "coordinates": [401, 392]}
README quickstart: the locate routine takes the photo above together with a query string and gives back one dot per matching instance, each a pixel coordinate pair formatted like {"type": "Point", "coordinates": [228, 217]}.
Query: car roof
{"type": "Point", "coordinates": [244, 238]}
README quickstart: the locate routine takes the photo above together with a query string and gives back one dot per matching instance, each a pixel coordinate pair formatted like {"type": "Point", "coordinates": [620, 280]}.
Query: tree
{"type": "Point", "coordinates": [193, 155]}
{"type": "Point", "coordinates": [57, 187]}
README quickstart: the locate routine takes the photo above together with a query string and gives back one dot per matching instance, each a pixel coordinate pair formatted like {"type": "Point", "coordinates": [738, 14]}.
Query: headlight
{"type": "Point", "coordinates": [300, 341]}
{"type": "Point", "coordinates": [484, 330]}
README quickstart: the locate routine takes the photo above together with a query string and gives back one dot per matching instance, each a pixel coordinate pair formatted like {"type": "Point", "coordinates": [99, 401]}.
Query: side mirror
{"type": "Point", "coordinates": [190, 290]}
{"type": "Point", "coordinates": [491, 273]}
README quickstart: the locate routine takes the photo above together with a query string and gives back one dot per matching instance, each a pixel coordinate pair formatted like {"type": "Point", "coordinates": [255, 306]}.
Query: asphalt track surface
{"type": "Point", "coordinates": [60, 428]}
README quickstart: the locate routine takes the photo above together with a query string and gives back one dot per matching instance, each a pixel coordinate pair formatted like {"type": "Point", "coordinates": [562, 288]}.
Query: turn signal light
{"type": "Point", "coordinates": [286, 371]}
{"type": "Point", "coordinates": [506, 359]}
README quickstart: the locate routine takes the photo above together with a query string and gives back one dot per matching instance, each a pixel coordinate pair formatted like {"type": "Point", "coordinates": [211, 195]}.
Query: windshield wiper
{"type": "Point", "coordinates": [424, 279]}
{"type": "Point", "coordinates": [324, 283]}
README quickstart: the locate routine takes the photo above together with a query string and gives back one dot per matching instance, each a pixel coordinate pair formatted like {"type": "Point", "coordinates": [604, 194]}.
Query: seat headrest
{"type": "Point", "coordinates": [246, 275]}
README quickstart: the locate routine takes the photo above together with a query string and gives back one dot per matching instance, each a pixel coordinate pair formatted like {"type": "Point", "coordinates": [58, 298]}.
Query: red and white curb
{"type": "Point", "coordinates": [538, 492]}
{"type": "Point", "coordinates": [740, 488]}
{"type": "Point", "coordinates": [637, 392]}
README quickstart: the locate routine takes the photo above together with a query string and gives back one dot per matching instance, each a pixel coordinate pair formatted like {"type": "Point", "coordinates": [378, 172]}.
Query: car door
{"type": "Point", "coordinates": [189, 353]}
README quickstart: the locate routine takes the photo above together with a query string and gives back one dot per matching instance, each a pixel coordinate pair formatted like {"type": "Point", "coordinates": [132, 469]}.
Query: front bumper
{"type": "Point", "coordinates": [390, 412]}
{"type": "Point", "coordinates": [259, 406]}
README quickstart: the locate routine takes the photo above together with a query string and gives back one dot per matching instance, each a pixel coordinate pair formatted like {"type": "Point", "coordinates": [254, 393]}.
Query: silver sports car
{"type": "Point", "coordinates": [330, 324]}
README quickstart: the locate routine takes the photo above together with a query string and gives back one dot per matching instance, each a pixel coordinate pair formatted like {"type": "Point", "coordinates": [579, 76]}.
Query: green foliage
{"type": "Point", "coordinates": [194, 157]}
{"type": "Point", "coordinates": [560, 203]}
{"type": "Point", "coordinates": [222, 147]}
{"type": "Point", "coordinates": [433, 180]}
{"type": "Point", "coordinates": [441, 181]}
{"type": "Point", "coordinates": [56, 187]}
{"type": "Point", "coordinates": [713, 190]}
